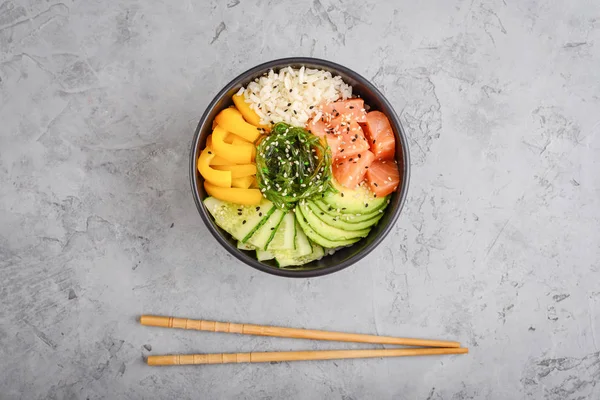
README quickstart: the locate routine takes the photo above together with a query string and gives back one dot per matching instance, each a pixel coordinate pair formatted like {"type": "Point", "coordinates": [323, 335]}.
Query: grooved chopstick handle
{"type": "Point", "coordinates": [184, 323]}
{"type": "Point", "coordinates": [296, 333]}
{"type": "Point", "coordinates": [277, 356]}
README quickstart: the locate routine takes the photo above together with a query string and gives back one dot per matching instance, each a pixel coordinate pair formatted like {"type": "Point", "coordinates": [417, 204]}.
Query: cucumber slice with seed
{"type": "Point", "coordinates": [239, 221]}
{"type": "Point", "coordinates": [263, 235]}
{"type": "Point", "coordinates": [286, 234]}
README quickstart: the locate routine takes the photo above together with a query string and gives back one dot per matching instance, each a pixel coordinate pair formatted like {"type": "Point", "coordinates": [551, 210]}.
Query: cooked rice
{"type": "Point", "coordinates": [288, 95]}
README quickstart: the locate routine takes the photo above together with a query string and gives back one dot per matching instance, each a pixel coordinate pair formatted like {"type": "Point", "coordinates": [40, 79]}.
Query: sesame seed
{"type": "Point", "coordinates": [243, 222]}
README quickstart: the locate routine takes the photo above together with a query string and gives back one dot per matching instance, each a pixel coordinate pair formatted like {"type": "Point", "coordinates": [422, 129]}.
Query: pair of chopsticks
{"type": "Point", "coordinates": [426, 347]}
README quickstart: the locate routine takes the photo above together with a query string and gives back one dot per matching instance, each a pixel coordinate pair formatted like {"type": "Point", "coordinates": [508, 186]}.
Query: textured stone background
{"type": "Point", "coordinates": [498, 245]}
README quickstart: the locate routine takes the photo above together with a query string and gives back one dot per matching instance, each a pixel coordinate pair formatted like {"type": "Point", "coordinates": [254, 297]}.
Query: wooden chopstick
{"type": "Point", "coordinates": [261, 330]}
{"type": "Point", "coordinates": [276, 356]}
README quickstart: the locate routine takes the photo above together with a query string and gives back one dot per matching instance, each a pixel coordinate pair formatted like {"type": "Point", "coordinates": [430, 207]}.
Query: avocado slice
{"type": "Point", "coordinates": [334, 220]}
{"type": "Point", "coordinates": [354, 201]}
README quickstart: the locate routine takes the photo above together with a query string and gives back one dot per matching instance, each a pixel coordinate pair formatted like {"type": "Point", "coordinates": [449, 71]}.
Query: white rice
{"type": "Point", "coordinates": [275, 96]}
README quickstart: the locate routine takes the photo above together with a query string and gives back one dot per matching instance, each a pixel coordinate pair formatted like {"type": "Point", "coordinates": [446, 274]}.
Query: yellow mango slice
{"type": "Point", "coordinates": [230, 152]}
{"type": "Point", "coordinates": [216, 177]}
{"type": "Point", "coordinates": [249, 197]}
{"type": "Point", "coordinates": [217, 160]}
{"type": "Point", "coordinates": [242, 183]}
{"type": "Point", "coordinates": [232, 121]}
{"type": "Point", "coordinates": [238, 141]}
{"type": "Point", "coordinates": [238, 171]}
{"type": "Point", "coordinates": [229, 138]}
{"type": "Point", "coordinates": [248, 113]}
{"type": "Point", "coordinates": [234, 139]}
{"type": "Point", "coordinates": [254, 183]}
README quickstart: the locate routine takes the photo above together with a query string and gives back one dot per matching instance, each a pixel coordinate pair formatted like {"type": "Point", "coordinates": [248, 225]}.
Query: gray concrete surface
{"type": "Point", "coordinates": [498, 246]}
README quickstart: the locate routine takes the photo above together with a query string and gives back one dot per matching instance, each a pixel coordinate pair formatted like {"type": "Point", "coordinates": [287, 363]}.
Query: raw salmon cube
{"type": "Point", "coordinates": [351, 171]}
{"type": "Point", "coordinates": [383, 177]}
{"type": "Point", "coordinates": [380, 135]}
{"type": "Point", "coordinates": [352, 108]}
{"type": "Point", "coordinates": [316, 127]}
{"type": "Point", "coordinates": [352, 143]}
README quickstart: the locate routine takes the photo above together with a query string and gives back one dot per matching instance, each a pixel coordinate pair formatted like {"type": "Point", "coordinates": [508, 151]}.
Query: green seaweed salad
{"type": "Point", "coordinates": [292, 164]}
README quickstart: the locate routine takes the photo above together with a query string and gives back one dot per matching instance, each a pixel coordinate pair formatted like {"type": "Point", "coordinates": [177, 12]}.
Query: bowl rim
{"type": "Point", "coordinates": [254, 72]}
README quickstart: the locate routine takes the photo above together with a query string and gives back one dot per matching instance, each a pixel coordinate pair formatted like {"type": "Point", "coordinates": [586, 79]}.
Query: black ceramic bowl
{"type": "Point", "coordinates": [344, 257]}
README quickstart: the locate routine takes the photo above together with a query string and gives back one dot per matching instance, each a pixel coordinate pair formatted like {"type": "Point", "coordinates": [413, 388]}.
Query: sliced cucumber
{"type": "Point", "coordinates": [303, 245]}
{"type": "Point", "coordinates": [355, 201]}
{"type": "Point", "coordinates": [317, 253]}
{"type": "Point", "coordinates": [328, 231]}
{"type": "Point", "coordinates": [337, 222]}
{"type": "Point", "coordinates": [239, 221]}
{"type": "Point", "coordinates": [318, 239]}
{"type": "Point", "coordinates": [352, 218]}
{"type": "Point", "coordinates": [285, 234]}
{"type": "Point", "coordinates": [245, 246]}
{"type": "Point", "coordinates": [264, 255]}
{"type": "Point", "coordinates": [263, 235]}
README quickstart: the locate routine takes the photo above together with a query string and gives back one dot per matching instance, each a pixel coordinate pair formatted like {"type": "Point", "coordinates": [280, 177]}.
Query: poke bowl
{"type": "Point", "coordinates": [299, 167]}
